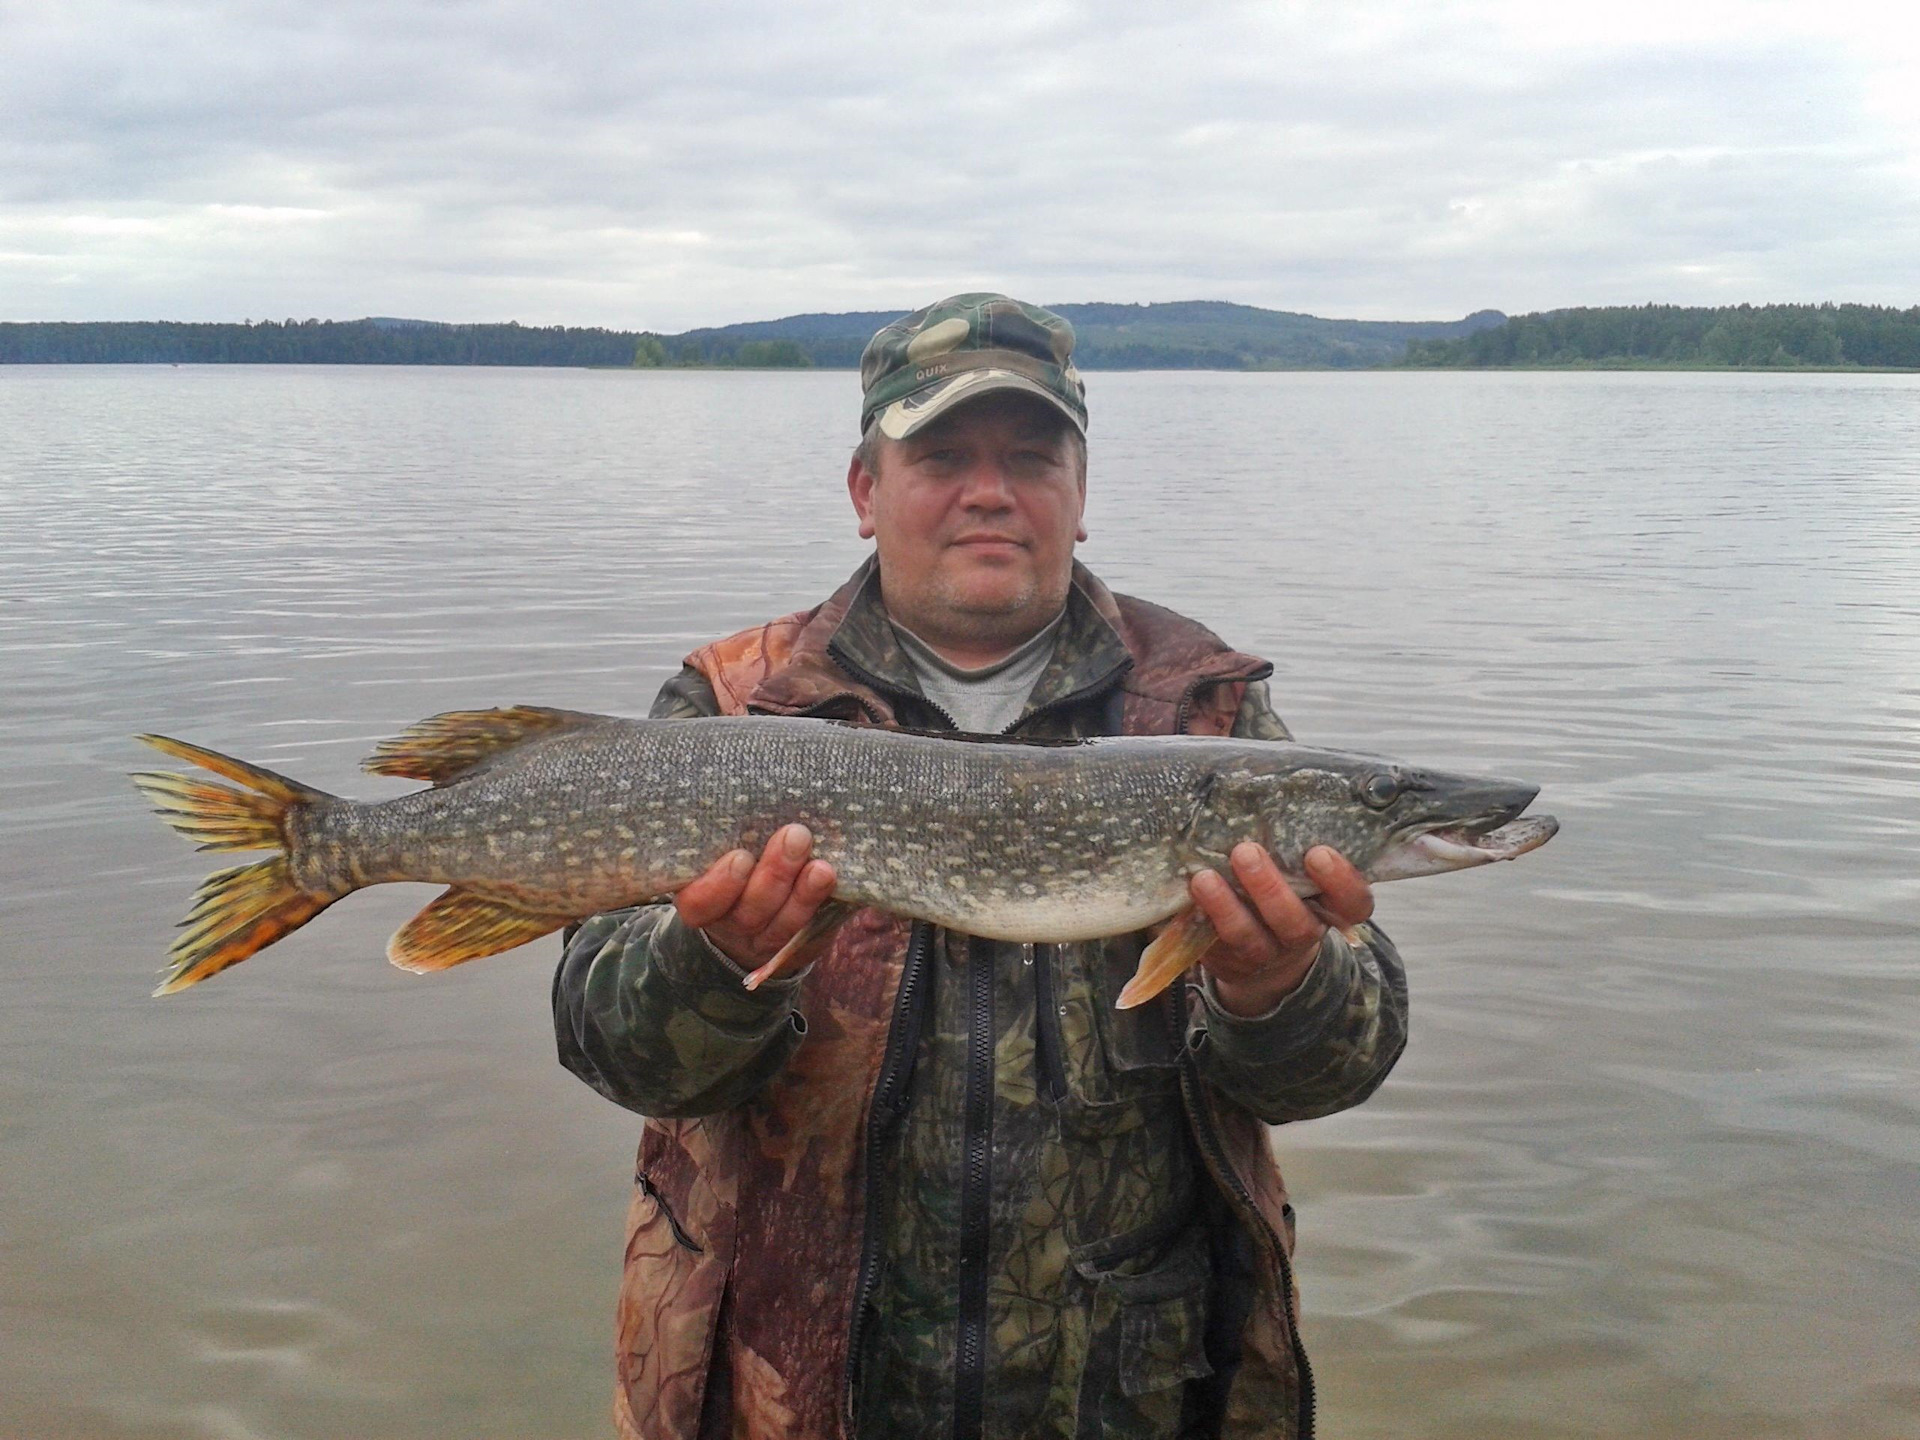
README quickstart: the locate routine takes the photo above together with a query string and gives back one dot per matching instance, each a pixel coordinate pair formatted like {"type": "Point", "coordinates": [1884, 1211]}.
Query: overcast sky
{"type": "Point", "coordinates": [669, 165]}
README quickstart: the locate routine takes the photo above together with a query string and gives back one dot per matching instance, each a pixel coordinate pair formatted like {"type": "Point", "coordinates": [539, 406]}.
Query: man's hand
{"type": "Point", "coordinates": [1265, 949]}
{"type": "Point", "coordinates": [751, 908]}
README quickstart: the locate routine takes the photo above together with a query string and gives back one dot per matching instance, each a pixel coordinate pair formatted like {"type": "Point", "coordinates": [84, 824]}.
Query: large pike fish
{"type": "Point", "coordinates": [537, 818]}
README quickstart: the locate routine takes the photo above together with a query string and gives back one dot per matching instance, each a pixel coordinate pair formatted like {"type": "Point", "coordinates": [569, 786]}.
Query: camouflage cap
{"type": "Point", "coordinates": [960, 348]}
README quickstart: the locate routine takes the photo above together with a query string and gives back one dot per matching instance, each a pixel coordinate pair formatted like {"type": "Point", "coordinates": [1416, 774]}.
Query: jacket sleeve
{"type": "Point", "coordinates": [651, 1014]}
{"type": "Point", "coordinates": [1331, 1042]}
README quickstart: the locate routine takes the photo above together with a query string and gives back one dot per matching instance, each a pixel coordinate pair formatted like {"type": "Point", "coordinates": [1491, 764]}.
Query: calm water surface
{"type": "Point", "coordinates": [1650, 1166]}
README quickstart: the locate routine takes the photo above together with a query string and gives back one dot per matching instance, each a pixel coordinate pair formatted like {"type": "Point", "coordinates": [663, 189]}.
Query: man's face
{"type": "Point", "coordinates": [975, 519]}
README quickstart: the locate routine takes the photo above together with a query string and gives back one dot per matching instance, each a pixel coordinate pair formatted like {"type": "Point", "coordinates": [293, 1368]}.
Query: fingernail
{"type": "Point", "coordinates": [798, 840]}
{"type": "Point", "coordinates": [753, 979]}
{"type": "Point", "coordinates": [741, 863]}
{"type": "Point", "coordinates": [1246, 856]}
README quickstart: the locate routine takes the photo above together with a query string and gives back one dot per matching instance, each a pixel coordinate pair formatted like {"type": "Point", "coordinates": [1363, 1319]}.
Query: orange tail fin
{"type": "Point", "coordinates": [238, 911]}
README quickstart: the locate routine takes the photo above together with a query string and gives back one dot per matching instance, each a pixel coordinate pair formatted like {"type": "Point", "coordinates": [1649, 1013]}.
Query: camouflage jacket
{"type": "Point", "coordinates": [941, 1184]}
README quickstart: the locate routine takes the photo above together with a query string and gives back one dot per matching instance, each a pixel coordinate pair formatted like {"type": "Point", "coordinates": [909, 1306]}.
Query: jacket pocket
{"type": "Point", "coordinates": [1149, 1337]}
{"type": "Point", "coordinates": [679, 1232]}
{"type": "Point", "coordinates": [1108, 1055]}
{"type": "Point", "coordinates": [667, 1315]}
{"type": "Point", "coordinates": [1163, 1342]}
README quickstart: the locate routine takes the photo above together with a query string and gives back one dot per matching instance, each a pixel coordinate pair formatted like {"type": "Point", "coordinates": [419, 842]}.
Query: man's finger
{"type": "Point", "coordinates": [1291, 923]}
{"type": "Point", "coordinates": [1237, 926]}
{"type": "Point", "coordinates": [771, 883]}
{"type": "Point", "coordinates": [703, 901]}
{"type": "Point", "coordinates": [810, 892]}
{"type": "Point", "coordinates": [1343, 889]}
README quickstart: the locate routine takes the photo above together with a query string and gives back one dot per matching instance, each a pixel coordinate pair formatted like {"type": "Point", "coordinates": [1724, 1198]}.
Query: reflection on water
{"type": "Point", "coordinates": [1649, 1165]}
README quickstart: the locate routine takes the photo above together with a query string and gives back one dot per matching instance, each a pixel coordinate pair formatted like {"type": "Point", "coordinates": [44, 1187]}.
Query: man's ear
{"type": "Point", "coordinates": [1080, 522]}
{"type": "Point", "coordinates": [860, 489]}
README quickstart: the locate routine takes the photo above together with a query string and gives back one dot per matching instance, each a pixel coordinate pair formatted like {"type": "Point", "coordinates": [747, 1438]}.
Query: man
{"type": "Point", "coordinates": [937, 1185]}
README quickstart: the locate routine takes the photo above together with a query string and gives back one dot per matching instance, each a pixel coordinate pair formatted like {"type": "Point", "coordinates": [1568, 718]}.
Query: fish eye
{"type": "Point", "coordinates": [1379, 789]}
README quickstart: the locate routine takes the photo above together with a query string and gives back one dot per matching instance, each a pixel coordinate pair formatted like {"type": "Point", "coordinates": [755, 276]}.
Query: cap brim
{"type": "Point", "coordinates": [920, 409]}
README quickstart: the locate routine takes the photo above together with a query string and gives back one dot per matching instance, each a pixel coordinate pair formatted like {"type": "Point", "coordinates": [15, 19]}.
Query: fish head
{"type": "Point", "coordinates": [1392, 821]}
{"type": "Point", "coordinates": [1443, 821]}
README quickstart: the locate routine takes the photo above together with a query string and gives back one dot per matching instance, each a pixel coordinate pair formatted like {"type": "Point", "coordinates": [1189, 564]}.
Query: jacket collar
{"type": "Point", "coordinates": [849, 638]}
{"type": "Point", "coordinates": [847, 663]}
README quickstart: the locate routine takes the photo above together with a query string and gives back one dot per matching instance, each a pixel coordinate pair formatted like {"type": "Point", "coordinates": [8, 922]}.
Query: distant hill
{"type": "Point", "coordinates": [1183, 335]}
{"type": "Point", "coordinates": [1177, 335]}
{"type": "Point", "coordinates": [1688, 337]}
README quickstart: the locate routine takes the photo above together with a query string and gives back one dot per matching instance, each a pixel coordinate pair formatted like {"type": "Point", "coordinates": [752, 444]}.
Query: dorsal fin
{"type": "Point", "coordinates": [444, 747]}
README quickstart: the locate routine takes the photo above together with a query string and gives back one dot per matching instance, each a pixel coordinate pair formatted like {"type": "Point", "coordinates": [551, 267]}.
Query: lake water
{"type": "Point", "coordinates": [1650, 1166]}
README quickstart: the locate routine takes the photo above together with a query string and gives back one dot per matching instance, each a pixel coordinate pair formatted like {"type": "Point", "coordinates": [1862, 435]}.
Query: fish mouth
{"type": "Point", "coordinates": [1455, 847]}
{"type": "Point", "coordinates": [1494, 828]}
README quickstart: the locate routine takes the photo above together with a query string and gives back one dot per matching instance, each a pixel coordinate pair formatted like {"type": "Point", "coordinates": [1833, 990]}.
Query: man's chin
{"type": "Point", "coordinates": [988, 600]}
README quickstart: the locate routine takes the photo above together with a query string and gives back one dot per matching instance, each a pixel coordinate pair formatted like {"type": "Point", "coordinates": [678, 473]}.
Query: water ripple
{"type": "Point", "coordinates": [1647, 1167]}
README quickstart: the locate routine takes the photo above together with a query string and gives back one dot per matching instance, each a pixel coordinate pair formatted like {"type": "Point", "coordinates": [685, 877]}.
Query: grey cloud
{"type": "Point", "coordinates": [672, 165]}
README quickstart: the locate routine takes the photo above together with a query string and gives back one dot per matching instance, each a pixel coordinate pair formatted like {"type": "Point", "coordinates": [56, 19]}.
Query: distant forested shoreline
{"type": "Point", "coordinates": [1183, 335]}
{"type": "Point", "coordinates": [308, 342]}
{"type": "Point", "coordinates": [1179, 335]}
{"type": "Point", "coordinates": [1688, 337]}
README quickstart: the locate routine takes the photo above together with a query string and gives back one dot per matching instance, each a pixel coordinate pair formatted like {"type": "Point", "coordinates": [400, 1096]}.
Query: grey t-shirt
{"type": "Point", "coordinates": [987, 700]}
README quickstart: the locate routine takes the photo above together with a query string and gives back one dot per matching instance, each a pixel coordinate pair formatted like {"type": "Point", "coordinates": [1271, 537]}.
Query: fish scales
{"type": "Point", "coordinates": [1037, 842]}
{"type": "Point", "coordinates": [536, 818]}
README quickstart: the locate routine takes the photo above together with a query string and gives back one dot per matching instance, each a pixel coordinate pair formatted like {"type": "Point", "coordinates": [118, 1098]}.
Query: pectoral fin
{"type": "Point", "coordinates": [1173, 952]}
{"type": "Point", "coordinates": [463, 926]}
{"type": "Point", "coordinates": [806, 946]}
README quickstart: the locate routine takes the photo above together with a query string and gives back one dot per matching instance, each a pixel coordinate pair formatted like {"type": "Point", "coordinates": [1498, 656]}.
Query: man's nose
{"type": "Point", "coordinates": [986, 487]}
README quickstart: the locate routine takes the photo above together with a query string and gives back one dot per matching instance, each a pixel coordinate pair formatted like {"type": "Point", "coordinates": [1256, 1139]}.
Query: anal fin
{"type": "Point", "coordinates": [463, 926]}
{"type": "Point", "coordinates": [1173, 952]}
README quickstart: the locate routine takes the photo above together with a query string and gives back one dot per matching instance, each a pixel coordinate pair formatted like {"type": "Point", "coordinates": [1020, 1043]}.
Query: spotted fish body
{"type": "Point", "coordinates": [1005, 840]}
{"type": "Point", "coordinates": [537, 818]}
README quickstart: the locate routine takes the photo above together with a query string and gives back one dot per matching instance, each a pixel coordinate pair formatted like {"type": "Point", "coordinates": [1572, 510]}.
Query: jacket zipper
{"type": "Point", "coordinates": [884, 687]}
{"type": "Point", "coordinates": [969, 1396]}
{"type": "Point", "coordinates": [887, 687]}
{"type": "Point", "coordinates": [884, 1110]}
{"type": "Point", "coordinates": [976, 1179]}
{"type": "Point", "coordinates": [1084, 693]}
{"type": "Point", "coordinates": [1046, 1028]}
{"type": "Point", "coordinates": [1215, 1152]}
{"type": "Point", "coordinates": [1224, 1174]}
{"type": "Point", "coordinates": [1183, 712]}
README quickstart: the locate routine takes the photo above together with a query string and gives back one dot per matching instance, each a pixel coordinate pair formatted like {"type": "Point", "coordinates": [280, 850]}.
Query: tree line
{"type": "Point", "coordinates": [1758, 336]}
{"type": "Point", "coordinates": [652, 352]}
{"type": "Point", "coordinates": [1187, 334]}
{"type": "Point", "coordinates": [366, 342]}
{"type": "Point", "coordinates": [1182, 335]}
